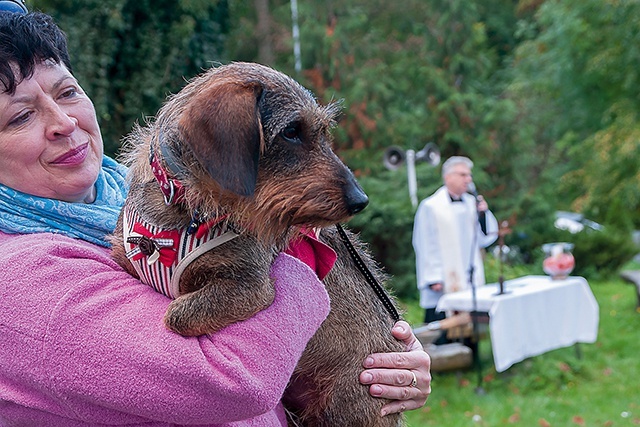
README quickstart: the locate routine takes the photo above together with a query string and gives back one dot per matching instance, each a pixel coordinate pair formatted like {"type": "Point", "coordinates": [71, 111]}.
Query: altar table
{"type": "Point", "coordinates": [535, 315]}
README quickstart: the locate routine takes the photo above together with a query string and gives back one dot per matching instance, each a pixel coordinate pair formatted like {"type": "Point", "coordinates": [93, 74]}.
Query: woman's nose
{"type": "Point", "coordinates": [60, 123]}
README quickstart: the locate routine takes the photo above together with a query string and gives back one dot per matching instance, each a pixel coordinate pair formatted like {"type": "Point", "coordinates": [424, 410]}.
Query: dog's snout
{"type": "Point", "coordinates": [356, 199]}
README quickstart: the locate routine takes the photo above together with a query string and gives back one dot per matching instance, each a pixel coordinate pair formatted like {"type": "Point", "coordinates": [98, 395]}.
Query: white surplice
{"type": "Point", "coordinates": [446, 237]}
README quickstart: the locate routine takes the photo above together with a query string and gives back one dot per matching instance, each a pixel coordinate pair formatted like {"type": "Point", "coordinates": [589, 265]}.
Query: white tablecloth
{"type": "Point", "coordinates": [537, 315]}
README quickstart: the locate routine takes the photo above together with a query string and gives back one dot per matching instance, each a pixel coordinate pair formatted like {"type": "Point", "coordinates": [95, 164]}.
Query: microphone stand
{"type": "Point", "coordinates": [474, 314]}
{"type": "Point", "coordinates": [504, 229]}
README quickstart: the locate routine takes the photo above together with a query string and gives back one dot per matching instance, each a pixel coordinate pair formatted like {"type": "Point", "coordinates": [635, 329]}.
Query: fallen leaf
{"type": "Point", "coordinates": [578, 420]}
{"type": "Point", "coordinates": [564, 367]}
{"type": "Point", "coordinates": [544, 423]}
{"type": "Point", "coordinates": [514, 418]}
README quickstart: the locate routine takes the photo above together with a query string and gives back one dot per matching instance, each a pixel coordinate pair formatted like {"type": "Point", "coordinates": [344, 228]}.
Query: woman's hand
{"type": "Point", "coordinates": [403, 377]}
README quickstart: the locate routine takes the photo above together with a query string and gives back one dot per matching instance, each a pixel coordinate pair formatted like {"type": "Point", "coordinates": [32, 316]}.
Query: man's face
{"type": "Point", "coordinates": [457, 180]}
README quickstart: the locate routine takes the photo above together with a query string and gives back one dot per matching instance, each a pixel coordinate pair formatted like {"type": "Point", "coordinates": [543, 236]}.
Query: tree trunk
{"type": "Point", "coordinates": [263, 32]}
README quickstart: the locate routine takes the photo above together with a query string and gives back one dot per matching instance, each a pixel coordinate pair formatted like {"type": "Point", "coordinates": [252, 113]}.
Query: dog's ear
{"type": "Point", "coordinates": [221, 124]}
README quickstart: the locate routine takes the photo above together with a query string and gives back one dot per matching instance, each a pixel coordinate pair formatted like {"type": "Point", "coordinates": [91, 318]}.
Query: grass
{"type": "Point", "coordinates": [556, 389]}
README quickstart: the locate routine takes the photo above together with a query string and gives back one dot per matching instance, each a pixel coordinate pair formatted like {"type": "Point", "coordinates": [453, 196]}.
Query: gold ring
{"type": "Point", "coordinates": [414, 381]}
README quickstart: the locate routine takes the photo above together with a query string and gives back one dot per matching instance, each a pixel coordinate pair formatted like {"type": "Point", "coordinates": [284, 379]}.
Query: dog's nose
{"type": "Point", "coordinates": [356, 199]}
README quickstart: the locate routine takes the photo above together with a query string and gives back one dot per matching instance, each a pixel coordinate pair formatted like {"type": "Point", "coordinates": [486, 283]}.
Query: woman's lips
{"type": "Point", "coordinates": [73, 157]}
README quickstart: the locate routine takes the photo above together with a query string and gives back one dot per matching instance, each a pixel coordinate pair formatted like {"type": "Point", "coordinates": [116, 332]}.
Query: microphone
{"type": "Point", "coordinates": [471, 189]}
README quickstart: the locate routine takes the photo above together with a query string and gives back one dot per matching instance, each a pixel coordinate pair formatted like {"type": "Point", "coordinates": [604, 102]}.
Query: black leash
{"type": "Point", "coordinates": [377, 288]}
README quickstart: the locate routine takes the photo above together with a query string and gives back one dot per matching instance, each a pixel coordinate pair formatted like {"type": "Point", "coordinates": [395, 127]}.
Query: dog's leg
{"type": "Point", "coordinates": [209, 309]}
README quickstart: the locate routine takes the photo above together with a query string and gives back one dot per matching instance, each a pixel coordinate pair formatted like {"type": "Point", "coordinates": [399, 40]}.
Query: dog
{"type": "Point", "coordinates": [233, 167]}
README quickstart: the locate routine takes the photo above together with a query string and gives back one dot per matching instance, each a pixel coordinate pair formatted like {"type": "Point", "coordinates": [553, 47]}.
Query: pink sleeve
{"type": "Point", "coordinates": [83, 339]}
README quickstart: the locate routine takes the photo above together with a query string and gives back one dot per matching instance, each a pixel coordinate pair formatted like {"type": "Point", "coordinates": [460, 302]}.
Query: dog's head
{"type": "Point", "coordinates": [262, 148]}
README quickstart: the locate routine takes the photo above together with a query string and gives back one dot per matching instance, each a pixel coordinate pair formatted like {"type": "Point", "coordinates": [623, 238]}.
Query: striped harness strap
{"type": "Point", "coordinates": [159, 256]}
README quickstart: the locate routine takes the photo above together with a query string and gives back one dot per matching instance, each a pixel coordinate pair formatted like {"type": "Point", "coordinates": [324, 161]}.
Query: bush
{"type": "Point", "coordinates": [387, 226]}
{"type": "Point", "coordinates": [601, 254]}
{"type": "Point", "coordinates": [598, 253]}
{"type": "Point", "coordinates": [387, 223]}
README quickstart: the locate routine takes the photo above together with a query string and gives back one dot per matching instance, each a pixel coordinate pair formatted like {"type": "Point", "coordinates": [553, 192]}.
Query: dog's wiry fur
{"type": "Point", "coordinates": [324, 389]}
{"type": "Point", "coordinates": [252, 145]}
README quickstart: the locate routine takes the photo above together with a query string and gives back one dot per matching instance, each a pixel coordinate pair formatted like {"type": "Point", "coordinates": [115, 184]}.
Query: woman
{"type": "Point", "coordinates": [82, 341]}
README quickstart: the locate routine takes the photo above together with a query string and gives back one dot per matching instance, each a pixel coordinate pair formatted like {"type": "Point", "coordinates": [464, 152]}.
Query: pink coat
{"type": "Point", "coordinates": [82, 344]}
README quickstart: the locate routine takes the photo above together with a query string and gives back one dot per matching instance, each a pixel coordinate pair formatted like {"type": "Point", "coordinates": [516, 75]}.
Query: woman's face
{"type": "Point", "coordinates": [50, 142]}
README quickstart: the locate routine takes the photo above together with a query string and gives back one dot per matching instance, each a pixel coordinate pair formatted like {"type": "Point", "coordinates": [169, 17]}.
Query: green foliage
{"type": "Point", "coordinates": [387, 225]}
{"type": "Point", "coordinates": [574, 82]}
{"type": "Point", "coordinates": [534, 226]}
{"type": "Point", "coordinates": [601, 254]}
{"type": "Point", "coordinates": [612, 171]}
{"type": "Point", "coordinates": [598, 253]}
{"type": "Point", "coordinates": [510, 267]}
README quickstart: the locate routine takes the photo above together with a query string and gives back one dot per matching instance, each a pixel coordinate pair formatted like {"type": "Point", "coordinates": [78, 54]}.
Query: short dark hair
{"type": "Point", "coordinates": [27, 40]}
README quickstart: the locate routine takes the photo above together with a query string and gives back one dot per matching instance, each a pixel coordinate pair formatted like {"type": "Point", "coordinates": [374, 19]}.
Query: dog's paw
{"type": "Point", "coordinates": [187, 316]}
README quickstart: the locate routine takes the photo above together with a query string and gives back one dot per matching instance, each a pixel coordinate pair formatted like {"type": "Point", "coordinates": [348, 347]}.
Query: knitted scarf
{"type": "Point", "coordinates": [23, 213]}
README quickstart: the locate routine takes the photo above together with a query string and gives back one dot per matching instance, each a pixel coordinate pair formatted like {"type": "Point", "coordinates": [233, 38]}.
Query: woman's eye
{"type": "Point", "coordinates": [292, 134]}
{"type": "Point", "coordinates": [18, 120]}
{"type": "Point", "coordinates": [69, 93]}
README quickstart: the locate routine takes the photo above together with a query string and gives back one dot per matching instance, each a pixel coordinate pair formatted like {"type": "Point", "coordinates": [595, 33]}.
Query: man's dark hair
{"type": "Point", "coordinates": [27, 40]}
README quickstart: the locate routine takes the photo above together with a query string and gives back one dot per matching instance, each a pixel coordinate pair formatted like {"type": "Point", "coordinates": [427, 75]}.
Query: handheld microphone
{"type": "Point", "coordinates": [471, 189]}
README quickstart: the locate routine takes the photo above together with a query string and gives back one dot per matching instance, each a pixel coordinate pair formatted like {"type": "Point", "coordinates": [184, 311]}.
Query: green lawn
{"type": "Point", "coordinates": [556, 389]}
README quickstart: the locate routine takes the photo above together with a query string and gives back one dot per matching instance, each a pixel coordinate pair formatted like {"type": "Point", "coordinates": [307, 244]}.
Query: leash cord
{"type": "Point", "coordinates": [377, 288]}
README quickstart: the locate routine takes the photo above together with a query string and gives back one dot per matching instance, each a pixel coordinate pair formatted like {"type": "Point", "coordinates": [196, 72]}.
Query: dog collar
{"type": "Point", "coordinates": [171, 188]}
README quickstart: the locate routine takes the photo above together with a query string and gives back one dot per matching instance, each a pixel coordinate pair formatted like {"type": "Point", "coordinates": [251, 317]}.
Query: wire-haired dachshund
{"type": "Point", "coordinates": [232, 168]}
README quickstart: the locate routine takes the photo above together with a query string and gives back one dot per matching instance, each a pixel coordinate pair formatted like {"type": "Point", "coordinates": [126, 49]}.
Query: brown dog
{"type": "Point", "coordinates": [228, 172]}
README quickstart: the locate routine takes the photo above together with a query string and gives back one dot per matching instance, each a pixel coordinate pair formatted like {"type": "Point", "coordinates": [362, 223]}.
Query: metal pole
{"type": "Point", "coordinates": [296, 35]}
{"type": "Point", "coordinates": [411, 177]}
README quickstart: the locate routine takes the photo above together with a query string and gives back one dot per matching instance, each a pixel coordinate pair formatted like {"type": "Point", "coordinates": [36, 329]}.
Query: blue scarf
{"type": "Point", "coordinates": [23, 213]}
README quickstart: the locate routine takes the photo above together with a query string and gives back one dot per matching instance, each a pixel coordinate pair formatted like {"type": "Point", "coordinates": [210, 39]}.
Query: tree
{"type": "Point", "coordinates": [576, 85]}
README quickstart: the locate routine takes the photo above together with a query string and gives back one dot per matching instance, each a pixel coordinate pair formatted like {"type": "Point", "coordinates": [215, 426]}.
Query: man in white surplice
{"type": "Point", "coordinates": [449, 229]}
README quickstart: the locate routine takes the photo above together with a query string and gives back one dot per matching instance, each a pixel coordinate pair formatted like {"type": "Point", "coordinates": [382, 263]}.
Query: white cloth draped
{"type": "Point", "coordinates": [536, 315]}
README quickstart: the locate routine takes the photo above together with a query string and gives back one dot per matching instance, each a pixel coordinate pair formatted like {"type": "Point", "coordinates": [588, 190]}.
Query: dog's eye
{"type": "Point", "coordinates": [292, 134]}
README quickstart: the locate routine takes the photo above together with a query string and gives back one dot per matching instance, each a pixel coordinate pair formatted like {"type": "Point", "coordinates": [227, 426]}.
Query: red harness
{"type": "Point", "coordinates": [159, 256]}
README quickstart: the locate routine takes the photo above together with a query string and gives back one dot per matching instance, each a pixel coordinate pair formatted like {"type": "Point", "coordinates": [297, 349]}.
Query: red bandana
{"type": "Point", "coordinates": [313, 252]}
